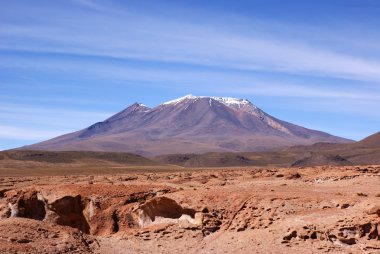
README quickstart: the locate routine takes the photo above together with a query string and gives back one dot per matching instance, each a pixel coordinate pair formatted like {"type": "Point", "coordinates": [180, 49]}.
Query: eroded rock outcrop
{"type": "Point", "coordinates": [276, 210]}
{"type": "Point", "coordinates": [68, 211]}
{"type": "Point", "coordinates": [347, 233]}
{"type": "Point", "coordinates": [29, 204]}
{"type": "Point", "coordinates": [165, 210]}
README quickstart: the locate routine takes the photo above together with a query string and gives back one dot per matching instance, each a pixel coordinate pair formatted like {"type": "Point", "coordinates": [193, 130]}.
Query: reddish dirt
{"type": "Point", "coordinates": [298, 210]}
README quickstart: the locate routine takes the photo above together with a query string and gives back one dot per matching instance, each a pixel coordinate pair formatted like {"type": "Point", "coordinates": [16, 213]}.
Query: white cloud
{"type": "Point", "coordinates": [145, 37]}
{"type": "Point", "coordinates": [17, 133]}
{"type": "Point", "coordinates": [203, 81]}
{"type": "Point", "coordinates": [25, 122]}
{"type": "Point", "coordinates": [48, 118]}
{"type": "Point", "coordinates": [306, 91]}
{"type": "Point", "coordinates": [227, 58]}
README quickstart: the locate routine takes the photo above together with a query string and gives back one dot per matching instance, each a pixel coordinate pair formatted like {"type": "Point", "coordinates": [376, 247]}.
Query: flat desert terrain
{"type": "Point", "coordinates": [326, 209]}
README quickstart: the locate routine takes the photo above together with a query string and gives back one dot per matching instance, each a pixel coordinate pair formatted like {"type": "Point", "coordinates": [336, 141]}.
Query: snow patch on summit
{"type": "Point", "coordinates": [240, 104]}
{"type": "Point", "coordinates": [229, 101]}
{"type": "Point", "coordinates": [232, 101]}
{"type": "Point", "coordinates": [141, 105]}
{"type": "Point", "coordinates": [176, 101]}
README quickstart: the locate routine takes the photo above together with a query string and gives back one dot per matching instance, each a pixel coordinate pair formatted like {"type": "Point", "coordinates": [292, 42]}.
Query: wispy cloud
{"type": "Point", "coordinates": [17, 133]}
{"type": "Point", "coordinates": [57, 117]}
{"type": "Point", "coordinates": [160, 49]}
{"type": "Point", "coordinates": [53, 100]}
{"type": "Point", "coordinates": [201, 81]}
{"type": "Point", "coordinates": [25, 122]}
{"type": "Point", "coordinates": [285, 89]}
{"type": "Point", "coordinates": [139, 36]}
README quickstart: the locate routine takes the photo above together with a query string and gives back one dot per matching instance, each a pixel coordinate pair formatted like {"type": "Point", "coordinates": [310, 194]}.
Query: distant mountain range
{"type": "Point", "coordinates": [191, 124]}
{"type": "Point", "coordinates": [364, 152]}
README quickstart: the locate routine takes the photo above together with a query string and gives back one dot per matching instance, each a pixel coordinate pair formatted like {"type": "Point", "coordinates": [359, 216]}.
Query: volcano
{"type": "Point", "coordinates": [190, 124]}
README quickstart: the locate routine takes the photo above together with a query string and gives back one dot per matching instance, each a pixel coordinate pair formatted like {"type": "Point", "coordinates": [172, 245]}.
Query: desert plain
{"type": "Point", "coordinates": [118, 209]}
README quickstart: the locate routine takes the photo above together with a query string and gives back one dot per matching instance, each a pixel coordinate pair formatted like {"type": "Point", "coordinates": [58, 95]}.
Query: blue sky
{"type": "Point", "coordinates": [67, 64]}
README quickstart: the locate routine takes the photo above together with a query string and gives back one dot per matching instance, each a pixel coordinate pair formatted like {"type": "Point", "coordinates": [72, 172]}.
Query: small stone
{"type": "Point", "coordinates": [374, 210]}
{"type": "Point", "coordinates": [23, 240]}
{"type": "Point", "coordinates": [348, 241]}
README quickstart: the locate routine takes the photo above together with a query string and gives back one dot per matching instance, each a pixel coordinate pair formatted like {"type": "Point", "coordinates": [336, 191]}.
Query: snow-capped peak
{"type": "Point", "coordinates": [189, 96]}
{"type": "Point", "coordinates": [142, 105]}
{"type": "Point", "coordinates": [229, 101]}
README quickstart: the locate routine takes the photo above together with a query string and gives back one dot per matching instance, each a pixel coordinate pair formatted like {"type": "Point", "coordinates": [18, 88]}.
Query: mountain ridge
{"type": "Point", "coordinates": [194, 124]}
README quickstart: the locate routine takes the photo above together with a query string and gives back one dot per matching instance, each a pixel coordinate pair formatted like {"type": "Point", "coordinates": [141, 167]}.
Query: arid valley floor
{"type": "Point", "coordinates": [329, 209]}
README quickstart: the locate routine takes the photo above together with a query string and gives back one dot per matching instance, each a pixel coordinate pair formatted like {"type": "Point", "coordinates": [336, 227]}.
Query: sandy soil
{"type": "Point", "coordinates": [298, 210]}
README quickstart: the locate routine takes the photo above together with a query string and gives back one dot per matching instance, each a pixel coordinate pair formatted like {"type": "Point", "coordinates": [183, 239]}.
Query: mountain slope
{"type": "Point", "coordinates": [189, 125]}
{"type": "Point", "coordinates": [372, 141]}
{"type": "Point", "coordinates": [365, 152]}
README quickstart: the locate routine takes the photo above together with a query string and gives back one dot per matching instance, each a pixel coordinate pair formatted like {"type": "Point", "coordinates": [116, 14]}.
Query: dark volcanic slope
{"type": "Point", "coordinates": [365, 152]}
{"type": "Point", "coordinates": [208, 160]}
{"type": "Point", "coordinates": [72, 156]}
{"type": "Point", "coordinates": [189, 125]}
{"type": "Point", "coordinates": [320, 160]}
{"type": "Point", "coordinates": [372, 141]}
